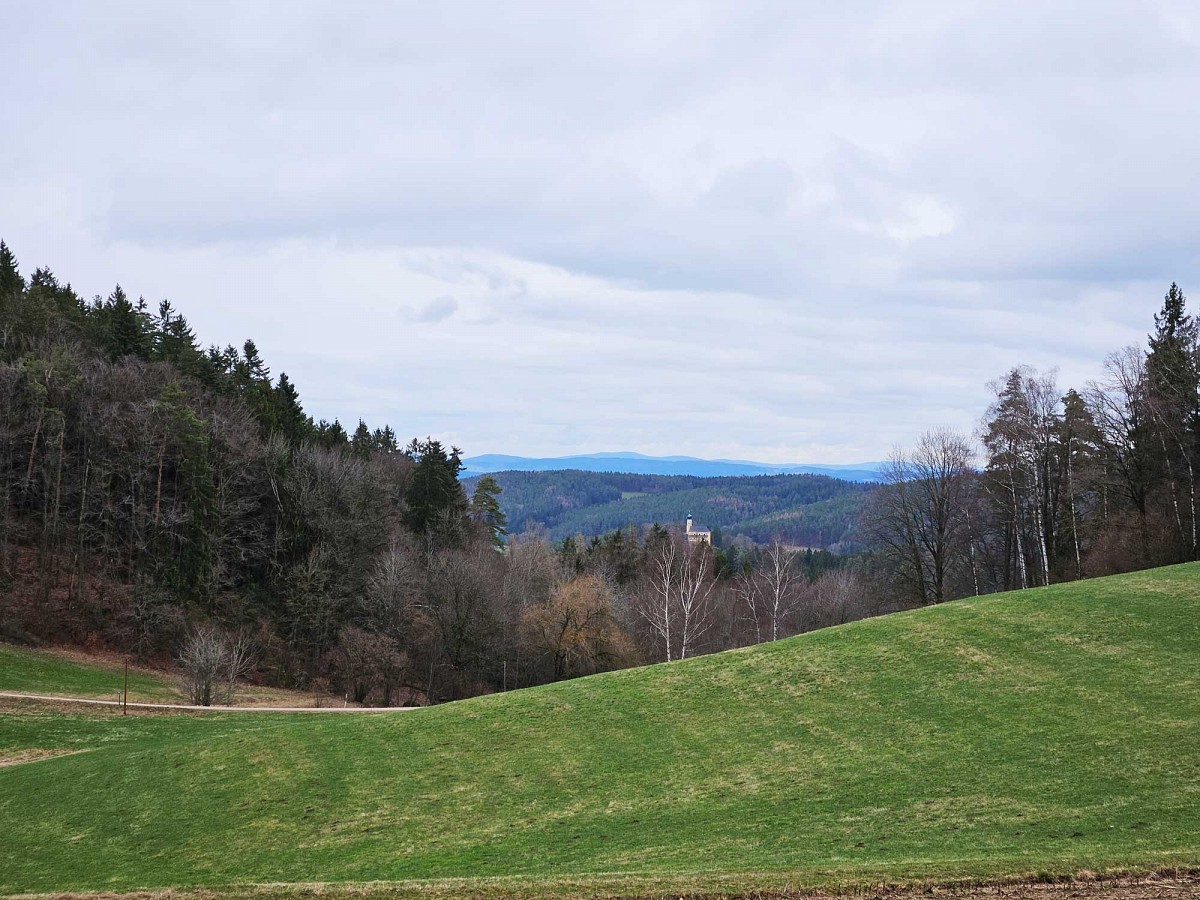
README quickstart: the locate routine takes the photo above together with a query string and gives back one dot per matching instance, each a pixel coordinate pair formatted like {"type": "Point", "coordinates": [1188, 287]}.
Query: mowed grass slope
{"type": "Point", "coordinates": [50, 672]}
{"type": "Point", "coordinates": [1046, 730]}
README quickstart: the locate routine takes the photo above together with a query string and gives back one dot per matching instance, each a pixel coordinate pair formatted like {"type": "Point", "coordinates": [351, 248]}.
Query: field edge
{"type": "Point", "coordinates": [694, 886]}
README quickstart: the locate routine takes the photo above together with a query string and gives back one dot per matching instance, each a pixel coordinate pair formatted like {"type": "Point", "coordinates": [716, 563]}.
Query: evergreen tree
{"type": "Point", "coordinates": [1171, 370]}
{"type": "Point", "coordinates": [256, 370]}
{"type": "Point", "coordinates": [42, 311]}
{"type": "Point", "coordinates": [124, 329]}
{"type": "Point", "coordinates": [1173, 411]}
{"type": "Point", "coordinates": [570, 561]}
{"type": "Point", "coordinates": [362, 443]}
{"type": "Point", "coordinates": [253, 379]}
{"type": "Point", "coordinates": [331, 435]}
{"type": "Point", "coordinates": [11, 282]}
{"type": "Point", "coordinates": [60, 297]}
{"type": "Point", "coordinates": [289, 416]}
{"type": "Point", "coordinates": [175, 342]}
{"type": "Point", "coordinates": [434, 491]}
{"type": "Point", "coordinates": [187, 566]}
{"type": "Point", "coordinates": [485, 510]}
{"type": "Point", "coordinates": [385, 440]}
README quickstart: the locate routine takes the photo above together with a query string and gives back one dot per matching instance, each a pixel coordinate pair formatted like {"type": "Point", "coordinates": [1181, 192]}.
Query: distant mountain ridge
{"type": "Point", "coordinates": [801, 509]}
{"type": "Point", "coordinates": [641, 464]}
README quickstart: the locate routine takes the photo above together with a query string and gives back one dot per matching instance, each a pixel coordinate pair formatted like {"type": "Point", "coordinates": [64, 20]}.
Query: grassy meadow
{"type": "Point", "coordinates": [49, 672]}
{"type": "Point", "coordinates": [1042, 731]}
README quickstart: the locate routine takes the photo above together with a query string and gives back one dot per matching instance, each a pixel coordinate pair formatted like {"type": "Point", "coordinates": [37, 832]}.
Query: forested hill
{"type": "Point", "coordinates": [170, 500]}
{"type": "Point", "coordinates": [152, 486]}
{"type": "Point", "coordinates": [640, 464]}
{"type": "Point", "coordinates": [807, 510]}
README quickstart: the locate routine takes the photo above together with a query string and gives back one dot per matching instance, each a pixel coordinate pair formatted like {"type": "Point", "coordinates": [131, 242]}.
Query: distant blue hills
{"type": "Point", "coordinates": [640, 464]}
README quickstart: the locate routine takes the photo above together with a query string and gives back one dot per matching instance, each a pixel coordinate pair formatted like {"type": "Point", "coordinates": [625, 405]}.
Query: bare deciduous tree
{"type": "Point", "coordinates": [677, 600]}
{"type": "Point", "coordinates": [576, 630]}
{"type": "Point", "coordinates": [919, 516]}
{"type": "Point", "coordinates": [212, 662]}
{"type": "Point", "coordinates": [772, 589]}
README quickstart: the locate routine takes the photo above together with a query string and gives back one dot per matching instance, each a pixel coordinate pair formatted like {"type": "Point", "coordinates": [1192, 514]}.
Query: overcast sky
{"type": "Point", "coordinates": [783, 231]}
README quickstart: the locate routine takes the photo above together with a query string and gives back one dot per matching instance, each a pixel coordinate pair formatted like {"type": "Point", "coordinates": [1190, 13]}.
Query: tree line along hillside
{"type": "Point", "coordinates": [165, 499]}
{"type": "Point", "coordinates": [150, 483]}
{"type": "Point", "coordinates": [175, 502]}
{"type": "Point", "coordinates": [802, 510]}
{"type": "Point", "coordinates": [1075, 483]}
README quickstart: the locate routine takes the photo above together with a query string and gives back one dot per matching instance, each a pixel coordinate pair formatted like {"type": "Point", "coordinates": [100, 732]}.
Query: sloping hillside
{"type": "Point", "coordinates": [1048, 730]}
{"type": "Point", "coordinates": [809, 510]}
{"type": "Point", "coordinates": [73, 675]}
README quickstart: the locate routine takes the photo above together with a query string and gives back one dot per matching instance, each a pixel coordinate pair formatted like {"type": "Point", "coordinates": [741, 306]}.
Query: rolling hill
{"type": "Point", "coordinates": [640, 464]}
{"type": "Point", "coordinates": [1047, 730]}
{"type": "Point", "coordinates": [48, 672]}
{"type": "Point", "coordinates": [808, 510]}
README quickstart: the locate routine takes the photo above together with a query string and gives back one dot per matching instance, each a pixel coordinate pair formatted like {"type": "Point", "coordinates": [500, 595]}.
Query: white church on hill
{"type": "Point", "coordinates": [697, 535]}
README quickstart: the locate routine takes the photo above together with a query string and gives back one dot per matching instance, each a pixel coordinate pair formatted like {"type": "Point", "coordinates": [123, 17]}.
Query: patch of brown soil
{"type": "Point", "coordinates": [31, 754]}
{"type": "Point", "coordinates": [35, 706]}
{"type": "Point", "coordinates": [1081, 886]}
{"type": "Point", "coordinates": [1172, 885]}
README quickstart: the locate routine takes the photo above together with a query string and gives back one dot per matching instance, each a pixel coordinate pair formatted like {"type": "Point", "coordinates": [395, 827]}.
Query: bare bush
{"type": "Point", "coordinates": [212, 662]}
{"type": "Point", "coordinates": [367, 664]}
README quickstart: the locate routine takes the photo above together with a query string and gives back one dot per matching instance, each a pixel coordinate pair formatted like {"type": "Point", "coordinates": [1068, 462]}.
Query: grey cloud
{"type": "Point", "coordinates": [763, 186]}
{"type": "Point", "coordinates": [436, 310]}
{"type": "Point", "coordinates": [811, 208]}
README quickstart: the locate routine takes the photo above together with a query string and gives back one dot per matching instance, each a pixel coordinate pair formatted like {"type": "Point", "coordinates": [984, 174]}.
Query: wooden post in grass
{"type": "Point", "coordinates": [125, 695]}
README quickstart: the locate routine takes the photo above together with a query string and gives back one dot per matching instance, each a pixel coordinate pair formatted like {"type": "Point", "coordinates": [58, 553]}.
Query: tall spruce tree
{"type": "Point", "coordinates": [11, 282]}
{"type": "Point", "coordinates": [361, 442]}
{"type": "Point", "coordinates": [1173, 411]}
{"type": "Point", "coordinates": [485, 510]}
{"type": "Point", "coordinates": [125, 328]}
{"type": "Point", "coordinates": [290, 419]}
{"type": "Point", "coordinates": [1171, 370]}
{"type": "Point", "coordinates": [434, 491]}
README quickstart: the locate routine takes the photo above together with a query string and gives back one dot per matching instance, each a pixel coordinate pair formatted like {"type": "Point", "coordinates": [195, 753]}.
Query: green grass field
{"type": "Point", "coordinates": [43, 672]}
{"type": "Point", "coordinates": [1042, 731]}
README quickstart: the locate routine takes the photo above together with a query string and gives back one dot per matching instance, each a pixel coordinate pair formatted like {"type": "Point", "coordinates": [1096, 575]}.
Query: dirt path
{"type": "Point", "coordinates": [48, 698]}
{"type": "Point", "coordinates": [1152, 887]}
{"type": "Point", "coordinates": [33, 754]}
{"type": "Point", "coordinates": [1148, 887]}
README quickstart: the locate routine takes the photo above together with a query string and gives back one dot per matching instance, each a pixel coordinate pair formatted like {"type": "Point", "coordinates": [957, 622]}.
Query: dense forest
{"type": "Point", "coordinates": [802, 510]}
{"type": "Point", "coordinates": [175, 502]}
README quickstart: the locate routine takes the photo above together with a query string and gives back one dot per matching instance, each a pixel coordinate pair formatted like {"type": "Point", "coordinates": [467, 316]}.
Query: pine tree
{"type": "Point", "coordinates": [60, 297]}
{"type": "Point", "coordinates": [1171, 359]}
{"type": "Point", "coordinates": [434, 491]}
{"type": "Point", "coordinates": [126, 328]}
{"type": "Point", "coordinates": [385, 440]}
{"type": "Point", "coordinates": [256, 369]}
{"type": "Point", "coordinates": [11, 282]}
{"type": "Point", "coordinates": [253, 380]}
{"type": "Point", "coordinates": [331, 435]}
{"type": "Point", "coordinates": [362, 443]}
{"type": "Point", "coordinates": [1173, 411]}
{"type": "Point", "coordinates": [485, 510]}
{"type": "Point", "coordinates": [188, 568]}
{"type": "Point", "coordinates": [38, 312]}
{"type": "Point", "coordinates": [289, 414]}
